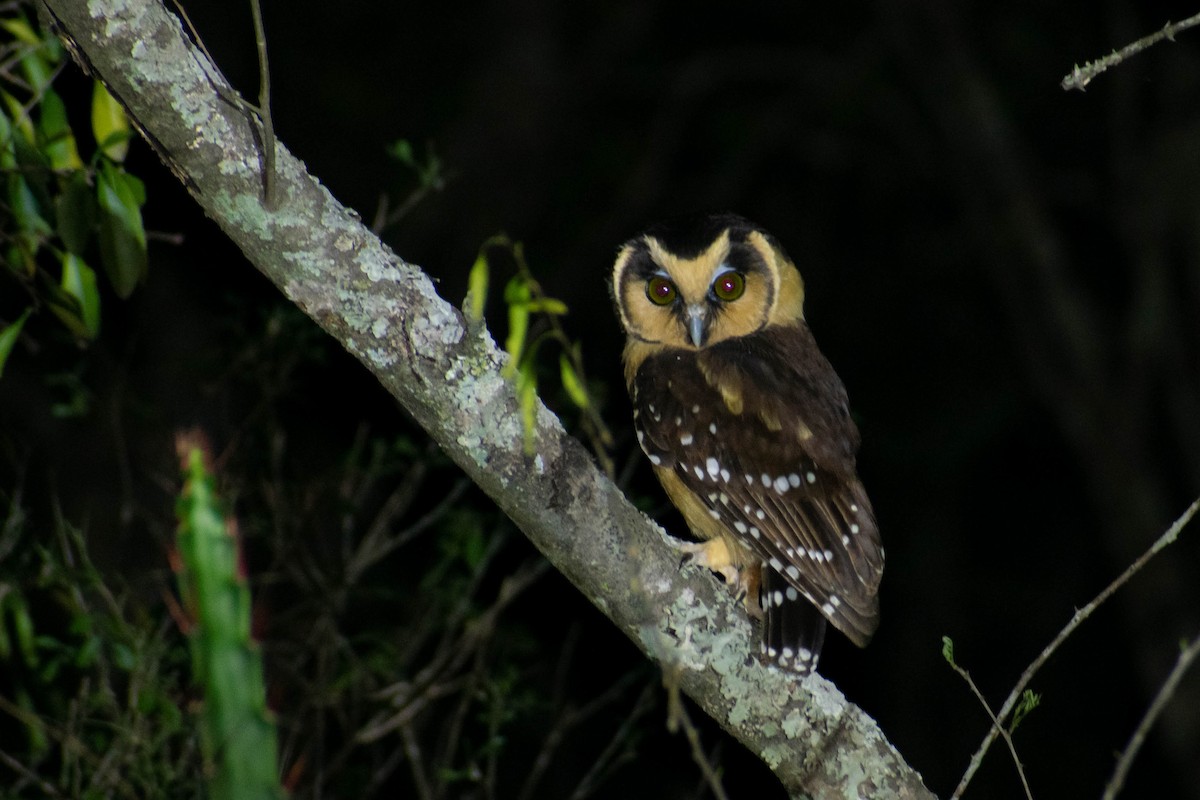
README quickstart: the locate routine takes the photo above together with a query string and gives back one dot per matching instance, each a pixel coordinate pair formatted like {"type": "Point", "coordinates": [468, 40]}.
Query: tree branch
{"type": "Point", "coordinates": [387, 314]}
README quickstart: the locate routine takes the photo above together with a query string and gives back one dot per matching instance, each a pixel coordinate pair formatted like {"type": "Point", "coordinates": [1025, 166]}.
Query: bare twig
{"type": "Point", "coordinates": [412, 749]}
{"type": "Point", "coordinates": [573, 717]}
{"type": "Point", "coordinates": [1080, 77]}
{"type": "Point", "coordinates": [617, 751]}
{"type": "Point", "coordinates": [1187, 657]}
{"type": "Point", "coordinates": [996, 725]}
{"type": "Point", "coordinates": [1171, 534]}
{"type": "Point", "coordinates": [264, 107]}
{"type": "Point", "coordinates": [677, 717]}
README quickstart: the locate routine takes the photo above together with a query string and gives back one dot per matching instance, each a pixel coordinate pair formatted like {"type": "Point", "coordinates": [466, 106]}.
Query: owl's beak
{"type": "Point", "coordinates": [697, 323]}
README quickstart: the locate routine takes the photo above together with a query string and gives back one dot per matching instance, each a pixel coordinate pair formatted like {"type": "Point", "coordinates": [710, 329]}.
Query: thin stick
{"type": "Point", "coordinates": [1167, 538]}
{"type": "Point", "coordinates": [966, 676]}
{"type": "Point", "coordinates": [1080, 77]}
{"type": "Point", "coordinates": [1186, 658]}
{"type": "Point", "coordinates": [264, 107]}
{"type": "Point", "coordinates": [677, 717]}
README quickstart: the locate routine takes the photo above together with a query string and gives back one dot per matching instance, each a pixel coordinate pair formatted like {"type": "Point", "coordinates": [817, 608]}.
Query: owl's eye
{"type": "Point", "coordinates": [660, 290]}
{"type": "Point", "coordinates": [729, 286]}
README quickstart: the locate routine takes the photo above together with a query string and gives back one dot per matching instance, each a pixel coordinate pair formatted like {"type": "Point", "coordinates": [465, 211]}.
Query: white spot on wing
{"type": "Point", "coordinates": [655, 460]}
{"type": "Point", "coordinates": [781, 484]}
{"type": "Point", "coordinates": [811, 477]}
{"type": "Point", "coordinates": [713, 467]}
{"type": "Point", "coordinates": [685, 439]}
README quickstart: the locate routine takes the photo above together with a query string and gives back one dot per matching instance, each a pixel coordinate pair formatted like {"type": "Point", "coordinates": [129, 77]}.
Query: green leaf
{"type": "Point", "coordinates": [527, 399]}
{"type": "Point", "coordinates": [548, 305]}
{"type": "Point", "coordinates": [571, 383]}
{"type": "Point", "coordinates": [27, 211]}
{"type": "Point", "coordinates": [79, 281]}
{"type": "Point", "coordinates": [20, 118]}
{"type": "Point", "coordinates": [57, 140]}
{"type": "Point", "coordinates": [477, 288]}
{"type": "Point", "coordinates": [110, 126]}
{"type": "Point", "coordinates": [34, 56]}
{"type": "Point", "coordinates": [22, 625]}
{"type": "Point", "coordinates": [9, 336]}
{"type": "Point", "coordinates": [516, 294]}
{"type": "Point", "coordinates": [21, 31]}
{"type": "Point", "coordinates": [75, 213]}
{"type": "Point", "coordinates": [402, 151]}
{"type": "Point", "coordinates": [19, 260]}
{"type": "Point", "coordinates": [948, 649]}
{"type": "Point", "coordinates": [7, 158]}
{"type": "Point", "coordinates": [34, 170]}
{"type": "Point", "coordinates": [122, 237]}
{"type": "Point", "coordinates": [1028, 702]}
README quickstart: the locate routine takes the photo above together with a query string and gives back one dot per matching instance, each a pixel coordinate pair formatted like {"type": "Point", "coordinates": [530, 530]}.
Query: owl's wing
{"type": "Point", "coordinates": [758, 429]}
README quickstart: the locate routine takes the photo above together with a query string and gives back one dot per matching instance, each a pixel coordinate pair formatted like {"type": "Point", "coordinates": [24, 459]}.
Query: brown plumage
{"type": "Point", "coordinates": [748, 429]}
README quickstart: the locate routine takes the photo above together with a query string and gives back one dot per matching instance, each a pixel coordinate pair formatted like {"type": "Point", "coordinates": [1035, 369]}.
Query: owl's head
{"type": "Point", "coordinates": [696, 282]}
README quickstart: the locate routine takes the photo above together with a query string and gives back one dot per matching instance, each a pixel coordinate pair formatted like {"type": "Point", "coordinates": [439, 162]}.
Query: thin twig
{"type": "Point", "coordinates": [264, 93]}
{"type": "Point", "coordinates": [1171, 534]}
{"type": "Point", "coordinates": [966, 676]}
{"type": "Point", "coordinates": [570, 719]}
{"type": "Point", "coordinates": [610, 759]}
{"type": "Point", "coordinates": [1080, 77]}
{"type": "Point", "coordinates": [264, 107]}
{"type": "Point", "coordinates": [1186, 658]}
{"type": "Point", "coordinates": [30, 775]}
{"type": "Point", "coordinates": [677, 717]}
{"type": "Point", "coordinates": [412, 749]}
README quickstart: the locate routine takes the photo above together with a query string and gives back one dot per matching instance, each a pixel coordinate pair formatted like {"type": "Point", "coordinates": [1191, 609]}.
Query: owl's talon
{"type": "Point", "coordinates": [713, 555]}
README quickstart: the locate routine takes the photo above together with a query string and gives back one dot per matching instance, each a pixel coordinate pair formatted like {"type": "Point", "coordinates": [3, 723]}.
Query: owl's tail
{"type": "Point", "coordinates": [793, 628]}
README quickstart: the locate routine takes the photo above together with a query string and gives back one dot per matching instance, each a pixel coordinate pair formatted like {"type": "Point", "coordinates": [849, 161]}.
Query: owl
{"type": "Point", "coordinates": [748, 429]}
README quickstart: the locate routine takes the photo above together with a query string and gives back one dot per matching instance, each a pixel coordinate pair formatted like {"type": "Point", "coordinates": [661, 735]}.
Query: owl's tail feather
{"type": "Point", "coordinates": [793, 628]}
